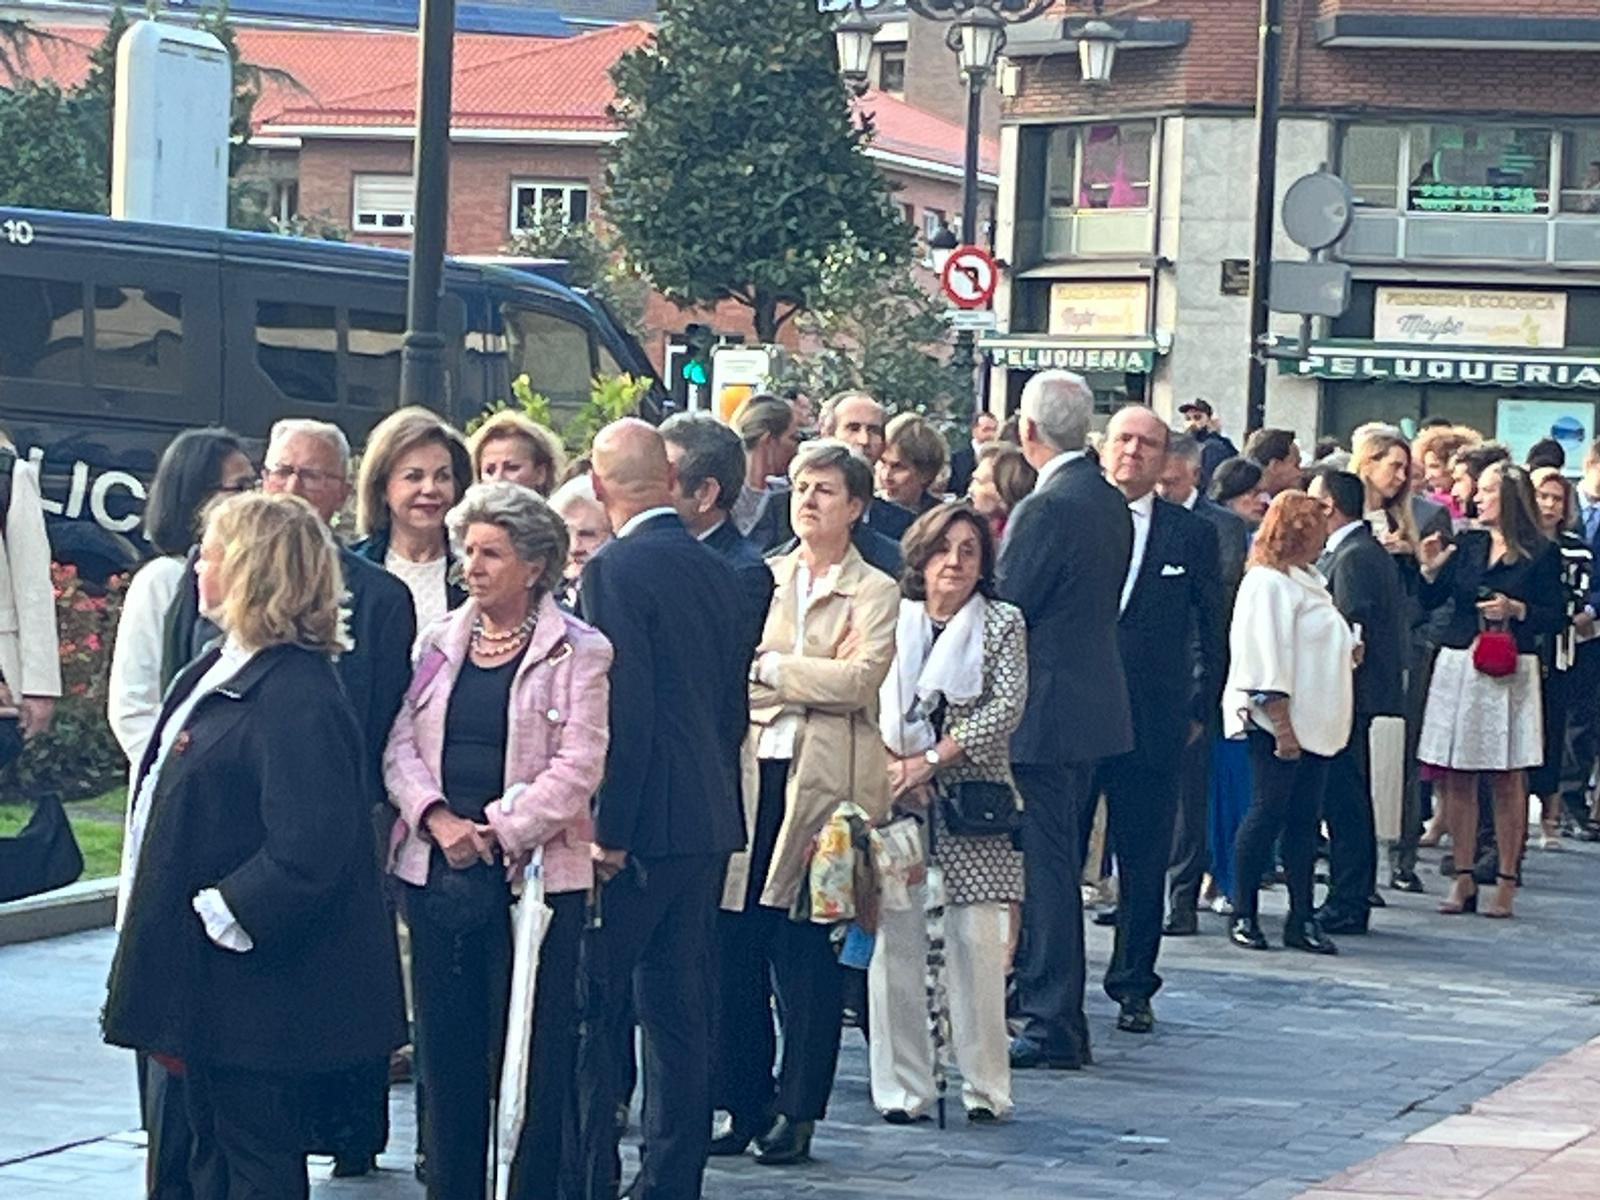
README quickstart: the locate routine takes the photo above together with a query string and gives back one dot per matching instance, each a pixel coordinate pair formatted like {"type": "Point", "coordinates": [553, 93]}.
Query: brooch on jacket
{"type": "Point", "coordinates": [181, 743]}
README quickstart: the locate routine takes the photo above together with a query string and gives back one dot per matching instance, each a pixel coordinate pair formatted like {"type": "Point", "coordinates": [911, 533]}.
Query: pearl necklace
{"type": "Point", "coordinates": [498, 645]}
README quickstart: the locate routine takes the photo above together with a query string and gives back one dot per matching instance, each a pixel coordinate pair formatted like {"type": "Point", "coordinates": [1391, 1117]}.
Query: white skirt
{"type": "Point", "coordinates": [1475, 722]}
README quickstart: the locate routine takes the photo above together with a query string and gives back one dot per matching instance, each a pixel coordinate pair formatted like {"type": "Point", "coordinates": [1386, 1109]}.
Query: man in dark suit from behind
{"type": "Point", "coordinates": [964, 459]}
{"type": "Point", "coordinates": [1065, 556]}
{"type": "Point", "coordinates": [1366, 588]}
{"type": "Point", "coordinates": [1191, 858]}
{"type": "Point", "coordinates": [709, 460]}
{"type": "Point", "coordinates": [668, 814]}
{"type": "Point", "coordinates": [1170, 636]}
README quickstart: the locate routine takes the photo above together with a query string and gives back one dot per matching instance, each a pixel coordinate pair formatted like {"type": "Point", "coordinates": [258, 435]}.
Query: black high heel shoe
{"type": "Point", "coordinates": [1246, 932]}
{"type": "Point", "coordinates": [1469, 904]}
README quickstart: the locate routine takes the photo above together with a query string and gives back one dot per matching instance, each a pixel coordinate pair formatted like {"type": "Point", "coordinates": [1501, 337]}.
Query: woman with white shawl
{"type": "Point", "coordinates": [952, 698]}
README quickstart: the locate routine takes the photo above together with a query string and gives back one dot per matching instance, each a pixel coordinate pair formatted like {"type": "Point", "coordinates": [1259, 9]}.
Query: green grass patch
{"type": "Point", "coordinates": [96, 823]}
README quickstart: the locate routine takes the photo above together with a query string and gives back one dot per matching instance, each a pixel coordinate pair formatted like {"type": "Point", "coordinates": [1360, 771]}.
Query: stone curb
{"type": "Point", "coordinates": [88, 904]}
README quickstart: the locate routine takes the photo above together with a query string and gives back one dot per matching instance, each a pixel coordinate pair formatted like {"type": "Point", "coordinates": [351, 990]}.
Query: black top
{"type": "Point", "coordinates": [1365, 582]}
{"type": "Point", "coordinates": [1535, 581]}
{"type": "Point", "coordinates": [475, 728]}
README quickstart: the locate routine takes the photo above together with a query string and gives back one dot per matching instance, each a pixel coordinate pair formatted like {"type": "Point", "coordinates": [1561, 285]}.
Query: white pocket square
{"type": "Point", "coordinates": [1172, 569]}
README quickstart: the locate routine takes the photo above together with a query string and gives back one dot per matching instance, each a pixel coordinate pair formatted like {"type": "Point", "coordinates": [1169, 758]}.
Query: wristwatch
{"type": "Point", "coordinates": [931, 757]}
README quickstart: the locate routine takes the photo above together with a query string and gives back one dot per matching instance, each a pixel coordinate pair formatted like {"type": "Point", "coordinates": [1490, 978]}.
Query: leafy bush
{"type": "Point", "coordinates": [78, 756]}
{"type": "Point", "coordinates": [611, 397]}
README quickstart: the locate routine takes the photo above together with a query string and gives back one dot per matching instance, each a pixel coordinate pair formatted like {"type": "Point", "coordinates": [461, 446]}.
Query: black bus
{"type": "Point", "coordinates": [116, 335]}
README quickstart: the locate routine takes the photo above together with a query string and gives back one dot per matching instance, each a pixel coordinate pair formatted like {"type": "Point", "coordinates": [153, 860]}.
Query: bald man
{"type": "Point", "coordinates": [668, 814]}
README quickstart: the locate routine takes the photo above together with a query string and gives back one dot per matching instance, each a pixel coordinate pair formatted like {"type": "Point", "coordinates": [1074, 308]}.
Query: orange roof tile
{"type": "Point", "coordinates": [904, 129]}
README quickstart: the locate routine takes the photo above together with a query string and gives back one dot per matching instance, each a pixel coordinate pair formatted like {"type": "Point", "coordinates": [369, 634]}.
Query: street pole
{"type": "Point", "coordinates": [1267, 93]}
{"type": "Point", "coordinates": [965, 359]}
{"type": "Point", "coordinates": [423, 378]}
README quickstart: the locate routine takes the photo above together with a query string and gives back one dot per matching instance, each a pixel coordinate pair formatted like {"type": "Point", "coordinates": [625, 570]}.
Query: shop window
{"type": "Point", "coordinates": [383, 203]}
{"type": "Point", "coordinates": [1478, 169]}
{"type": "Point", "coordinates": [297, 345]}
{"type": "Point", "coordinates": [1580, 184]}
{"type": "Point", "coordinates": [532, 201]}
{"type": "Point", "coordinates": [552, 352]}
{"type": "Point", "coordinates": [42, 335]}
{"type": "Point", "coordinates": [372, 366]}
{"type": "Point", "coordinates": [1100, 166]}
{"type": "Point", "coordinates": [138, 339]}
{"type": "Point", "coordinates": [892, 70]}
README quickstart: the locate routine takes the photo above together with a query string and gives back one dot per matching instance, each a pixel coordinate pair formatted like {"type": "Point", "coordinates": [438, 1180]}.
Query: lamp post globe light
{"type": "Point", "coordinates": [940, 247]}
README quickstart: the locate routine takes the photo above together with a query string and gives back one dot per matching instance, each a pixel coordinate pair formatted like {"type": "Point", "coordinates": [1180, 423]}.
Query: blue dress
{"type": "Point", "coordinates": [1227, 801]}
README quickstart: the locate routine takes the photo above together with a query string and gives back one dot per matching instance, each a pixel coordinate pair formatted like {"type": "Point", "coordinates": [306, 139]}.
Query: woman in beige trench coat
{"type": "Point", "coordinates": [813, 745]}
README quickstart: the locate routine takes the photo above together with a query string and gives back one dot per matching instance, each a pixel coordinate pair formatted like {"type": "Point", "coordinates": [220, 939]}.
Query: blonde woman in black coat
{"type": "Point", "coordinates": [256, 952]}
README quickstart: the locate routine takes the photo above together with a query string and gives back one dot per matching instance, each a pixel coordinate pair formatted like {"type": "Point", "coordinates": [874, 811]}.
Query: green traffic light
{"type": "Point", "coordinates": [695, 372]}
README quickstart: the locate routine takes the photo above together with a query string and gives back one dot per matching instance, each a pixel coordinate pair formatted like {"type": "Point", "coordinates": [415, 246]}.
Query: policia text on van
{"type": "Point", "coordinates": [117, 335]}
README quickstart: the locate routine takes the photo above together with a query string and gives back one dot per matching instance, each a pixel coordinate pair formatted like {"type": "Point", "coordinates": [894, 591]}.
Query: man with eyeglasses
{"type": "Point", "coordinates": [311, 459]}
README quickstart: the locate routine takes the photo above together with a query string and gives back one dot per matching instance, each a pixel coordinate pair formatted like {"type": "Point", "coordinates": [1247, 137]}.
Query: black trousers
{"type": "Point", "coordinates": [248, 1134]}
{"type": "Point", "coordinates": [462, 981]}
{"type": "Point", "coordinates": [657, 936]}
{"type": "Point", "coordinates": [1050, 962]}
{"type": "Point", "coordinates": [1352, 826]}
{"type": "Point", "coordinates": [1582, 742]}
{"type": "Point", "coordinates": [1191, 857]}
{"type": "Point", "coordinates": [1286, 799]}
{"type": "Point", "coordinates": [1415, 791]}
{"type": "Point", "coordinates": [169, 1143]}
{"type": "Point", "coordinates": [1141, 805]}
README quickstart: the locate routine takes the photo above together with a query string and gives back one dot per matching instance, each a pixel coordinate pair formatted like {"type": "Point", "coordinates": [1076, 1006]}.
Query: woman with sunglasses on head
{"type": "Point", "coordinates": [1502, 585]}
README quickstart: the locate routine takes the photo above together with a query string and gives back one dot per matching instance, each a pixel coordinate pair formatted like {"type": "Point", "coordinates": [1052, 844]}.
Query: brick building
{"type": "Point", "coordinates": [1470, 135]}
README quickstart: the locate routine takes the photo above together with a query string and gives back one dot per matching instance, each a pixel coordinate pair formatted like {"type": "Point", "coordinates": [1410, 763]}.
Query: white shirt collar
{"type": "Point", "coordinates": [1194, 499]}
{"type": "Point", "coordinates": [639, 519]}
{"type": "Point", "coordinates": [1054, 465]}
{"type": "Point", "coordinates": [1143, 506]}
{"type": "Point", "coordinates": [703, 536]}
{"type": "Point", "coordinates": [1337, 537]}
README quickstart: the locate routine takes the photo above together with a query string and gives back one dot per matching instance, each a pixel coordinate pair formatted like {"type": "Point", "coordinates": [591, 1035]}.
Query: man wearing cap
{"type": "Point", "coordinates": [1215, 447]}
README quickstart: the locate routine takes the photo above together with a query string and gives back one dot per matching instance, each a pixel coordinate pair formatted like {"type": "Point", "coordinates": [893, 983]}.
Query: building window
{"type": "Point", "coordinates": [892, 70]}
{"type": "Point", "coordinates": [1580, 158]}
{"type": "Point", "coordinates": [532, 200]}
{"type": "Point", "coordinates": [1100, 166]}
{"type": "Point", "coordinates": [1450, 168]}
{"type": "Point", "coordinates": [933, 220]}
{"type": "Point", "coordinates": [383, 203]}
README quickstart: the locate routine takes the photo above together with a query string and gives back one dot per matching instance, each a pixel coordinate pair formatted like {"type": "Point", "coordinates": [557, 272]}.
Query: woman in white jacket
{"type": "Point", "coordinates": [1290, 692]}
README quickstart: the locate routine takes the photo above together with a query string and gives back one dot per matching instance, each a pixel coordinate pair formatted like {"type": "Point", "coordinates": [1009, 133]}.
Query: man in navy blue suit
{"type": "Point", "coordinates": [709, 460]}
{"type": "Point", "coordinates": [1170, 636]}
{"type": "Point", "coordinates": [668, 814]}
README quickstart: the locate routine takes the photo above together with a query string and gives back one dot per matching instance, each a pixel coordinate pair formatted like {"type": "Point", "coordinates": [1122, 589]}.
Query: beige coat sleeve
{"type": "Point", "coordinates": [843, 685]}
{"type": "Point", "coordinates": [32, 595]}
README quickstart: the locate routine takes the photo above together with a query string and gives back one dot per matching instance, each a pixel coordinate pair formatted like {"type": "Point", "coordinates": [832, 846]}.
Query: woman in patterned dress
{"type": "Point", "coordinates": [953, 697]}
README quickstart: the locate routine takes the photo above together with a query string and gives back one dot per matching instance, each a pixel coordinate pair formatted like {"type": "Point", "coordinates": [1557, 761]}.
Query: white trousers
{"type": "Point", "coordinates": [976, 938]}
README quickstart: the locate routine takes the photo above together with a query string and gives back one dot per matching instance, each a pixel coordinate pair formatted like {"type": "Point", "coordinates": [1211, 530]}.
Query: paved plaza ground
{"type": "Point", "coordinates": [1268, 1077]}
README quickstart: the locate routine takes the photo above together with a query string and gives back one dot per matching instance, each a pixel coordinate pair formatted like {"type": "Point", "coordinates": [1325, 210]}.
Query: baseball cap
{"type": "Point", "coordinates": [1195, 406]}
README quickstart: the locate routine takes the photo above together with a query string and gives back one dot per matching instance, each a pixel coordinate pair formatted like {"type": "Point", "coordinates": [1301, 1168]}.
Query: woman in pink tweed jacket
{"type": "Point", "coordinates": [498, 748]}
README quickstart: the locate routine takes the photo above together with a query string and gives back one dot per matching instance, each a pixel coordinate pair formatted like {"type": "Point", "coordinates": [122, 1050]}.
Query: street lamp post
{"type": "Point", "coordinates": [977, 35]}
{"type": "Point", "coordinates": [423, 377]}
{"type": "Point", "coordinates": [1267, 95]}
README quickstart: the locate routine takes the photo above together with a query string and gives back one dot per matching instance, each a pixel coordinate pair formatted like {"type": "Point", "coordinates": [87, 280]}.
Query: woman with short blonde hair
{"type": "Point", "coordinates": [510, 447]}
{"type": "Point", "coordinates": [256, 949]}
{"type": "Point", "coordinates": [413, 471]}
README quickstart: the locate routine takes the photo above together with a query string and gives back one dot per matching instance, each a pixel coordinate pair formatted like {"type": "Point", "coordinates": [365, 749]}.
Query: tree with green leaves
{"type": "Point", "coordinates": [594, 258]}
{"type": "Point", "coordinates": [48, 162]}
{"type": "Point", "coordinates": [742, 158]}
{"type": "Point", "coordinates": [874, 326]}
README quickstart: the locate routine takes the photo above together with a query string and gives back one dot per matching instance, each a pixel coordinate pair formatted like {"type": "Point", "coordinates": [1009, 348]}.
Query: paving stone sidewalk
{"type": "Point", "coordinates": [1267, 1075]}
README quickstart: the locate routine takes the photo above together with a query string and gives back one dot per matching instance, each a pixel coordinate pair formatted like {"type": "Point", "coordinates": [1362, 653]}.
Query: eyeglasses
{"type": "Point", "coordinates": [310, 476]}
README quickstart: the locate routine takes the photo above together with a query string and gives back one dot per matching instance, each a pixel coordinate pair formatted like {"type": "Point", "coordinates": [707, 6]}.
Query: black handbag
{"type": "Point", "coordinates": [980, 808]}
{"type": "Point", "coordinates": [43, 856]}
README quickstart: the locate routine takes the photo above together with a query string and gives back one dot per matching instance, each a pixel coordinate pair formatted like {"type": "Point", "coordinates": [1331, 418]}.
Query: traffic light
{"type": "Point", "coordinates": [697, 364]}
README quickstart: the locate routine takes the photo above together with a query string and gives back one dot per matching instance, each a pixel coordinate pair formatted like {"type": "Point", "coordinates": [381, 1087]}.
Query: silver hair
{"type": "Point", "coordinates": [536, 532]}
{"type": "Point", "coordinates": [1060, 405]}
{"type": "Point", "coordinates": [830, 454]}
{"type": "Point", "coordinates": [1182, 445]}
{"type": "Point", "coordinates": [580, 488]}
{"type": "Point", "coordinates": [324, 431]}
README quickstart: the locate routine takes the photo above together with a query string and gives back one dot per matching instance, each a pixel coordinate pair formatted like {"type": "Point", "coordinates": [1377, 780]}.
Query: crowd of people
{"type": "Point", "coordinates": [783, 718]}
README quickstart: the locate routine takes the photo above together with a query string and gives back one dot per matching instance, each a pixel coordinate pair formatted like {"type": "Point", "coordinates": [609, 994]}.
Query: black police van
{"type": "Point", "coordinates": [116, 335]}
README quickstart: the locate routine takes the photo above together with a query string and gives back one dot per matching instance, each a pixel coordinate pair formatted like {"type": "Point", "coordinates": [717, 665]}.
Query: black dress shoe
{"type": "Point", "coordinates": [899, 1116]}
{"type": "Point", "coordinates": [1246, 932]}
{"type": "Point", "coordinates": [1376, 900]}
{"type": "Point", "coordinates": [1307, 936]}
{"type": "Point", "coordinates": [982, 1116]}
{"type": "Point", "coordinates": [1106, 916]}
{"type": "Point", "coordinates": [1028, 1055]}
{"type": "Point", "coordinates": [353, 1166]}
{"type": "Point", "coordinates": [1136, 1017]}
{"type": "Point", "coordinates": [1338, 923]}
{"type": "Point", "coordinates": [786, 1143]}
{"type": "Point", "coordinates": [1406, 881]}
{"type": "Point", "coordinates": [735, 1138]}
{"type": "Point", "coordinates": [1181, 924]}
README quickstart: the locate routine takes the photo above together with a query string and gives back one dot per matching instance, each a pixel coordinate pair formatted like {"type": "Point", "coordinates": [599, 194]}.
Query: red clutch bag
{"type": "Point", "coordinates": [1494, 652]}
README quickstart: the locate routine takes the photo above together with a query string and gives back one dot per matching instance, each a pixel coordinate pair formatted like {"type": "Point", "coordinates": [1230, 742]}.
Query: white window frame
{"type": "Point", "coordinates": [375, 203]}
{"type": "Point", "coordinates": [567, 187]}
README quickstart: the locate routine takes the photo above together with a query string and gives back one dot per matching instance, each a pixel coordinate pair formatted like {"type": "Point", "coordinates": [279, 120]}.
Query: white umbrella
{"type": "Point", "coordinates": [528, 929]}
